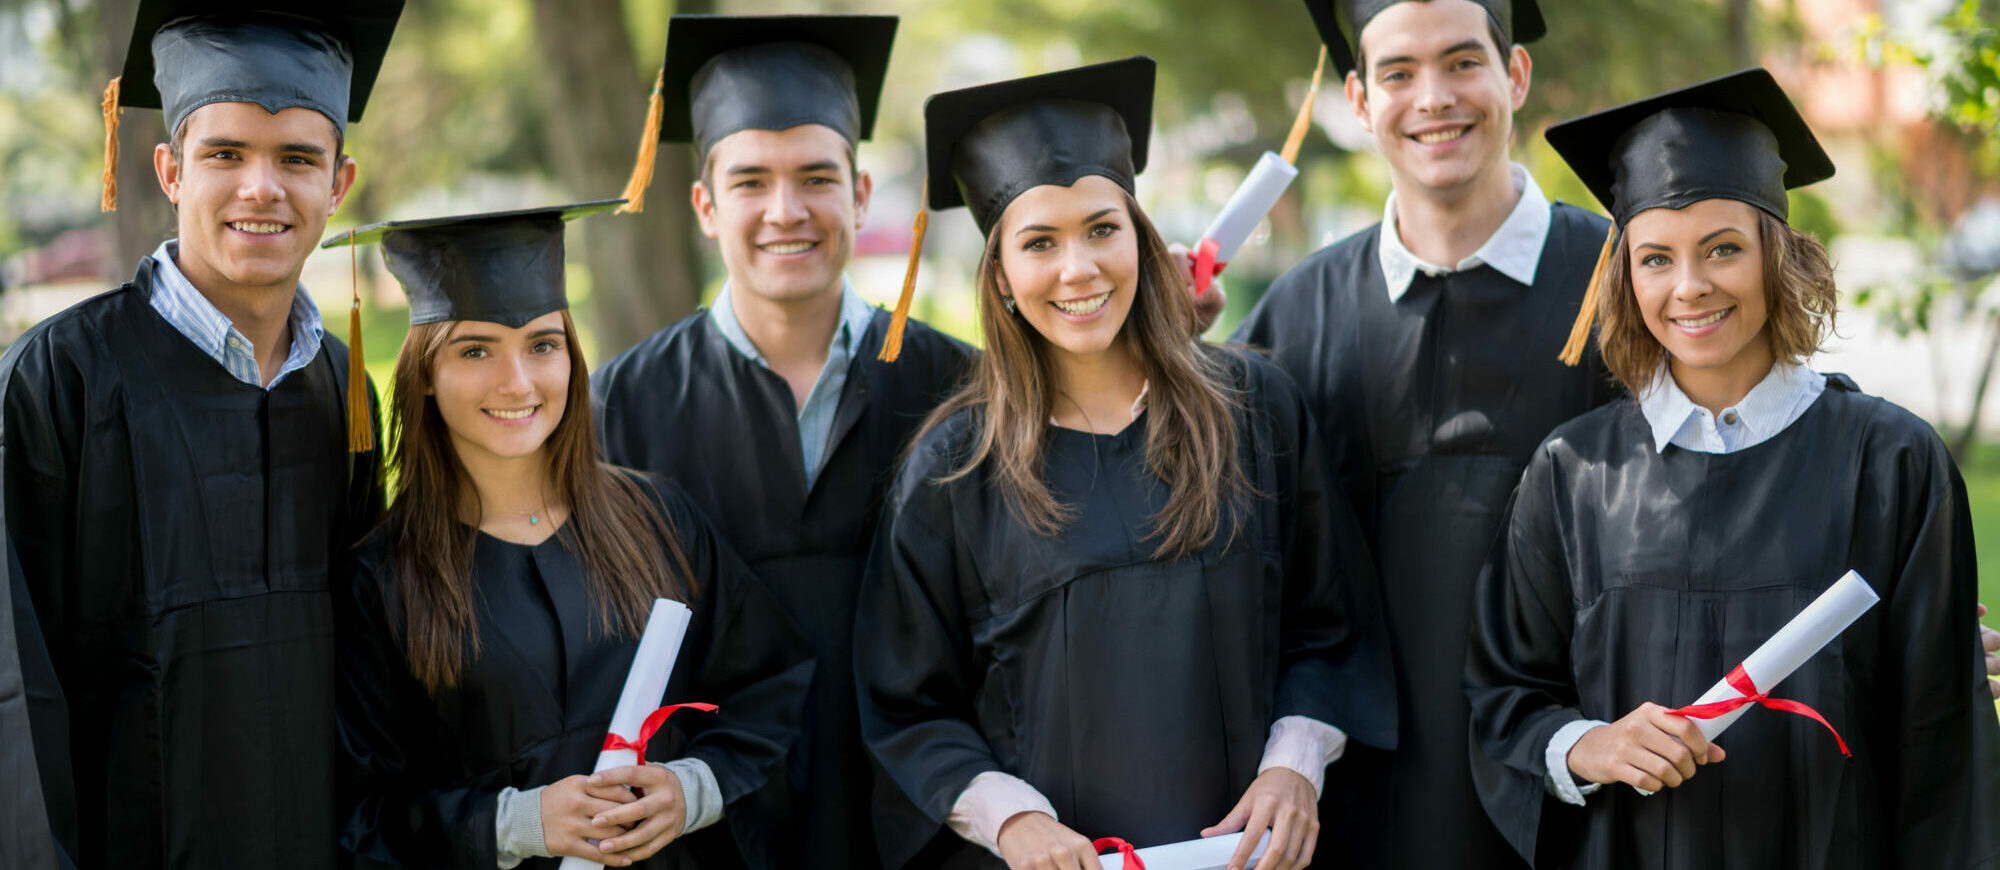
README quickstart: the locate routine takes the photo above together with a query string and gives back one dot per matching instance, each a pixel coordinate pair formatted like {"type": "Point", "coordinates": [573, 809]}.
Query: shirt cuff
{"type": "Point", "coordinates": [517, 827]}
{"type": "Point", "coordinates": [1305, 745]}
{"type": "Point", "coordinates": [988, 802]}
{"type": "Point", "coordinates": [701, 795]}
{"type": "Point", "coordinates": [1559, 781]}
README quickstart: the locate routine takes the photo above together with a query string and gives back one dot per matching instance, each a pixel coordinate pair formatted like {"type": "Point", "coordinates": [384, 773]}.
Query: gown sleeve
{"type": "Point", "coordinates": [913, 657]}
{"type": "Point", "coordinates": [1333, 660]}
{"type": "Point", "coordinates": [404, 807]}
{"type": "Point", "coordinates": [42, 424]}
{"type": "Point", "coordinates": [1945, 773]}
{"type": "Point", "coordinates": [1518, 672]}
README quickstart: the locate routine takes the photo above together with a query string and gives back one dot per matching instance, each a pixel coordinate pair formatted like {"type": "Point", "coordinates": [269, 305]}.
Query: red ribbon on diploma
{"type": "Point", "coordinates": [1740, 681]}
{"type": "Point", "coordinates": [648, 728]}
{"type": "Point", "coordinates": [1125, 849]}
{"type": "Point", "coordinates": [1205, 266]}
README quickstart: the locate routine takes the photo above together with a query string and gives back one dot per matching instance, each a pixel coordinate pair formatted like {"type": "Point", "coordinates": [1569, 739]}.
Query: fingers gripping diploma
{"type": "Point", "coordinates": [642, 826]}
{"type": "Point", "coordinates": [1208, 304]}
{"type": "Point", "coordinates": [1650, 749]}
{"type": "Point", "coordinates": [1036, 841]}
{"type": "Point", "coordinates": [1283, 802]}
{"type": "Point", "coordinates": [570, 807]}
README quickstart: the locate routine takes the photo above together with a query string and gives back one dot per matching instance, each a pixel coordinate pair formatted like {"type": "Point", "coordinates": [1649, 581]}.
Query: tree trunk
{"type": "Point", "coordinates": [1962, 444]}
{"type": "Point", "coordinates": [1740, 52]}
{"type": "Point", "coordinates": [645, 268]}
{"type": "Point", "coordinates": [144, 215]}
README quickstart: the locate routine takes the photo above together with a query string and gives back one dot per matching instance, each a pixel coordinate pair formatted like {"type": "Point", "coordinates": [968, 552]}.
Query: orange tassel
{"type": "Point", "coordinates": [649, 147]}
{"type": "Point", "coordinates": [1579, 332]}
{"type": "Point", "coordinates": [892, 344]}
{"type": "Point", "coordinates": [108, 200]}
{"type": "Point", "coordinates": [360, 418]}
{"type": "Point", "coordinates": [1303, 122]}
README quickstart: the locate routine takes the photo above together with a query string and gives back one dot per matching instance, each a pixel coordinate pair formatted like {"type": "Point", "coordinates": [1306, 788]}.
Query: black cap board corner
{"type": "Point", "coordinates": [1340, 23]}
{"type": "Point", "coordinates": [725, 73]}
{"type": "Point", "coordinates": [985, 145]}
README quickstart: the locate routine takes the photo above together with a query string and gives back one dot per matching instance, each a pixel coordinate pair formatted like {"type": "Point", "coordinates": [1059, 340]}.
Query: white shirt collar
{"type": "Point", "coordinates": [1514, 250]}
{"type": "Point", "coordinates": [1774, 404]}
{"type": "Point", "coordinates": [855, 315]}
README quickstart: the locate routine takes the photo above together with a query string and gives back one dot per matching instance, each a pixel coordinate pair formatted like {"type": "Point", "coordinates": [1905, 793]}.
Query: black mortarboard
{"type": "Point", "coordinates": [1735, 137]}
{"type": "Point", "coordinates": [501, 267]}
{"type": "Point", "coordinates": [185, 54]}
{"type": "Point", "coordinates": [322, 56]}
{"type": "Point", "coordinates": [726, 73]}
{"type": "Point", "coordinates": [1340, 23]}
{"type": "Point", "coordinates": [988, 144]}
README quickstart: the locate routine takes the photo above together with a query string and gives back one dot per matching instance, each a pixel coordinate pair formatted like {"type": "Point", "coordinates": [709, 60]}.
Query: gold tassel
{"type": "Point", "coordinates": [892, 344]}
{"type": "Point", "coordinates": [649, 147]}
{"type": "Point", "coordinates": [360, 420]}
{"type": "Point", "coordinates": [1579, 332]}
{"type": "Point", "coordinates": [108, 200]}
{"type": "Point", "coordinates": [1304, 121]}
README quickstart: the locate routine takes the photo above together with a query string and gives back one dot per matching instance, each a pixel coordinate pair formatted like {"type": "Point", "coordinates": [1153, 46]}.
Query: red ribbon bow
{"type": "Point", "coordinates": [1205, 266]}
{"type": "Point", "coordinates": [1125, 850]}
{"type": "Point", "coordinates": [646, 729]}
{"type": "Point", "coordinates": [1740, 681]}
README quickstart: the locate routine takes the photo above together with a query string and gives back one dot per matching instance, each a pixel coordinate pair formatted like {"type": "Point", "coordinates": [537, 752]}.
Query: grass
{"type": "Point", "coordinates": [1982, 489]}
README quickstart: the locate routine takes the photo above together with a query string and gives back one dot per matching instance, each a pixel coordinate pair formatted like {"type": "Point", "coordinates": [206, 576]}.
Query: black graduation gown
{"type": "Point", "coordinates": [1136, 693]}
{"type": "Point", "coordinates": [1429, 407]}
{"type": "Point", "coordinates": [175, 530]}
{"type": "Point", "coordinates": [426, 771]}
{"type": "Point", "coordinates": [686, 405]}
{"type": "Point", "coordinates": [1628, 575]}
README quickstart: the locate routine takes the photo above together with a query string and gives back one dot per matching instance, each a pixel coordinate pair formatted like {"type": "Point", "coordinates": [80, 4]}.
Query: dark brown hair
{"type": "Point", "coordinates": [1191, 437]}
{"type": "Point", "coordinates": [614, 528]}
{"type": "Point", "coordinates": [1798, 294]}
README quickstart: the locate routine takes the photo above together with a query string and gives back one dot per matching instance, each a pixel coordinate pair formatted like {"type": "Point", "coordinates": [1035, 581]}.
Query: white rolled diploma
{"type": "Point", "coordinates": [1247, 207]}
{"type": "Point", "coordinates": [1808, 633]}
{"type": "Point", "coordinates": [1208, 853]}
{"type": "Point", "coordinates": [645, 685]}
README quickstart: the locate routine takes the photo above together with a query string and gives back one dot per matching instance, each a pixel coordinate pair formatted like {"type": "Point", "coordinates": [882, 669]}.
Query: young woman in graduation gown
{"type": "Point", "coordinates": [494, 615]}
{"type": "Point", "coordinates": [1654, 543]}
{"type": "Point", "coordinates": [1110, 595]}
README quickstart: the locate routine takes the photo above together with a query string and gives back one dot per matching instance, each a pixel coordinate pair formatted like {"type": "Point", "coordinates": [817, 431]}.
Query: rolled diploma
{"type": "Point", "coordinates": [1247, 207]}
{"type": "Point", "coordinates": [1808, 633]}
{"type": "Point", "coordinates": [1208, 853]}
{"type": "Point", "coordinates": [645, 685]}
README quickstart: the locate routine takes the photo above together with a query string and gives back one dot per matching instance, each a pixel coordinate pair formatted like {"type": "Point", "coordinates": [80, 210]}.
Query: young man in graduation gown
{"type": "Point", "coordinates": [774, 408]}
{"type": "Point", "coordinates": [1427, 349]}
{"type": "Point", "coordinates": [180, 474]}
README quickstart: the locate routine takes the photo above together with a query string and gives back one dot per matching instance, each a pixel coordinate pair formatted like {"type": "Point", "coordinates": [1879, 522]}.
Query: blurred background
{"type": "Point", "coordinates": [492, 104]}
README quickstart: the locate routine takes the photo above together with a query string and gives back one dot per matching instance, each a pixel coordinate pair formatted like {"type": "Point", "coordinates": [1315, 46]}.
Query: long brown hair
{"type": "Point", "coordinates": [614, 528]}
{"type": "Point", "coordinates": [1190, 430]}
{"type": "Point", "coordinates": [1799, 295]}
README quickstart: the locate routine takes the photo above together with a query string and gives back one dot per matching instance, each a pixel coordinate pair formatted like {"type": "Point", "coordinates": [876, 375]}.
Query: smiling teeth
{"type": "Point", "coordinates": [788, 248]}
{"type": "Point", "coordinates": [1698, 322]}
{"type": "Point", "coordinates": [1084, 306]}
{"type": "Point", "coordinates": [511, 415]}
{"type": "Point", "coordinates": [259, 229]}
{"type": "Point", "coordinates": [1440, 136]}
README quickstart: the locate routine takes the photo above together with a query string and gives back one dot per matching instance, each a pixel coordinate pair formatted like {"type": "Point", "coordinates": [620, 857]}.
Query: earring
{"type": "Point", "coordinates": [1009, 302]}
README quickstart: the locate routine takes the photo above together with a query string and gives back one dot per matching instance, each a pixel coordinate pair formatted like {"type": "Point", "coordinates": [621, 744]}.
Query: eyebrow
{"type": "Point", "coordinates": [1468, 45]}
{"type": "Point", "coordinates": [539, 333]}
{"type": "Point", "coordinates": [1042, 228]}
{"type": "Point", "coordinates": [1704, 239]}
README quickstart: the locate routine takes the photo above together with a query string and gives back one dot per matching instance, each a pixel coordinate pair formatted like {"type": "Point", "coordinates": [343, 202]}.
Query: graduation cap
{"type": "Point", "coordinates": [986, 145]}
{"type": "Point", "coordinates": [502, 267]}
{"type": "Point", "coordinates": [726, 73]}
{"type": "Point", "coordinates": [185, 54]}
{"type": "Point", "coordinates": [1340, 23]}
{"type": "Point", "coordinates": [1734, 137]}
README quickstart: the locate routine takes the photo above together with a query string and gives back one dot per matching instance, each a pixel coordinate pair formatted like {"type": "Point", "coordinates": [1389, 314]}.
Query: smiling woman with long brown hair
{"type": "Point", "coordinates": [1109, 595]}
{"type": "Point", "coordinates": [494, 614]}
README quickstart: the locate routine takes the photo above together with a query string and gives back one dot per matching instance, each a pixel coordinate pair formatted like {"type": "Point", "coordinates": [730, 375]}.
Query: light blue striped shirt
{"type": "Point", "coordinates": [1775, 403]}
{"type": "Point", "coordinates": [816, 415]}
{"type": "Point", "coordinates": [176, 299]}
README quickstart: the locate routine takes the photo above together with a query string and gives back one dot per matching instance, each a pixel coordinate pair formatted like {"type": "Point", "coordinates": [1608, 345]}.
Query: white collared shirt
{"type": "Point", "coordinates": [1778, 401]}
{"type": "Point", "coordinates": [197, 319]}
{"type": "Point", "coordinates": [1514, 250]}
